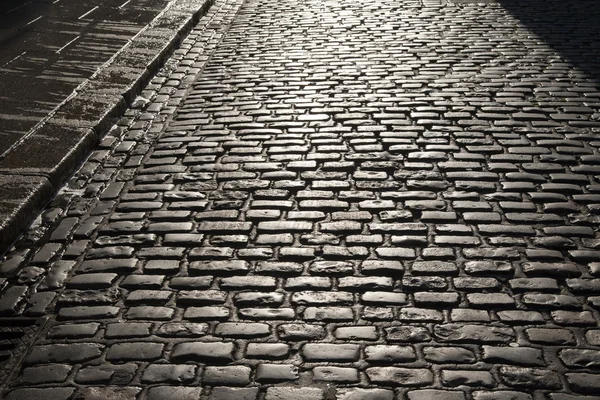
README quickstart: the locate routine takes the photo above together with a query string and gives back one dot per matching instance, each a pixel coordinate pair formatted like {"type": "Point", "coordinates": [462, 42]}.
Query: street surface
{"type": "Point", "coordinates": [49, 47]}
{"type": "Point", "coordinates": [319, 200]}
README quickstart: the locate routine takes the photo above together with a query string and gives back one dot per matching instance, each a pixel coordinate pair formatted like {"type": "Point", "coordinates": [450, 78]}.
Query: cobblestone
{"type": "Point", "coordinates": [330, 200]}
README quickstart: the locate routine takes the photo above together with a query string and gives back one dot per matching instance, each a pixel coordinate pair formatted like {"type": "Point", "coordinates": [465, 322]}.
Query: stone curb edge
{"type": "Point", "coordinates": [33, 172]}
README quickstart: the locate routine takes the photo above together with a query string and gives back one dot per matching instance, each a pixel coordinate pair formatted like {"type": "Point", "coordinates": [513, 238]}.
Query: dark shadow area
{"type": "Point", "coordinates": [16, 13]}
{"type": "Point", "coordinates": [571, 27]}
{"type": "Point", "coordinates": [49, 47]}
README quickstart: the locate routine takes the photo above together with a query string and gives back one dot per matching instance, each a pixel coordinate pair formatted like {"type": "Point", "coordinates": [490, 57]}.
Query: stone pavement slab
{"type": "Point", "coordinates": [326, 200]}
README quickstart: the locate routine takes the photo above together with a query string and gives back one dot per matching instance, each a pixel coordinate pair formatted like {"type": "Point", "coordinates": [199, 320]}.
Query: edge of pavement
{"type": "Point", "coordinates": [32, 173]}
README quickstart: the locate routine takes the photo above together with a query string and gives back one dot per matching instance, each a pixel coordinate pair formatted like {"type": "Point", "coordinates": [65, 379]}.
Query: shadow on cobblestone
{"type": "Point", "coordinates": [570, 27]}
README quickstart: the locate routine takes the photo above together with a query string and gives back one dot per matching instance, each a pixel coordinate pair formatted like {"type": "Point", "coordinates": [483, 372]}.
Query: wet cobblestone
{"type": "Point", "coordinates": [329, 200]}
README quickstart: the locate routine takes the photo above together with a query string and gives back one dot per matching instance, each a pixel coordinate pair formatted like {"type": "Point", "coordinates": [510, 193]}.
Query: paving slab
{"type": "Point", "coordinates": [22, 196]}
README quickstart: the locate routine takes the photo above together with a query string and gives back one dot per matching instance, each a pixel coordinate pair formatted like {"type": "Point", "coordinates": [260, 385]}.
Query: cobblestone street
{"type": "Point", "coordinates": [321, 200]}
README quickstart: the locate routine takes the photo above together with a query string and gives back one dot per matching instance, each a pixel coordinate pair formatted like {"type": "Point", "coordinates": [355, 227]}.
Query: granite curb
{"type": "Point", "coordinates": [36, 169]}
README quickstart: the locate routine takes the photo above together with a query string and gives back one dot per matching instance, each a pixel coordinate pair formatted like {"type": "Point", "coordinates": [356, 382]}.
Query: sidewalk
{"type": "Point", "coordinates": [327, 200]}
{"type": "Point", "coordinates": [68, 69]}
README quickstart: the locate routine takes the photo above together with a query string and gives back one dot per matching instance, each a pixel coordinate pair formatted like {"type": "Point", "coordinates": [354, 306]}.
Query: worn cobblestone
{"type": "Point", "coordinates": [330, 200]}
